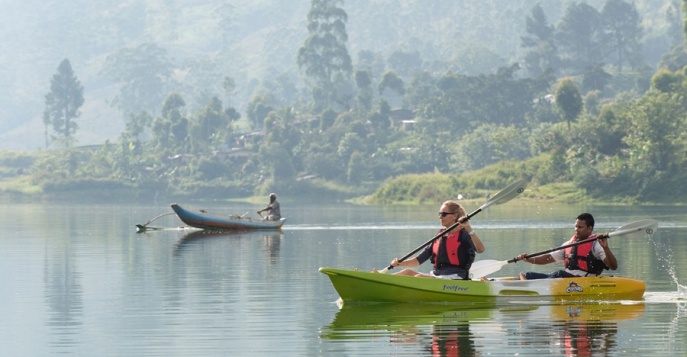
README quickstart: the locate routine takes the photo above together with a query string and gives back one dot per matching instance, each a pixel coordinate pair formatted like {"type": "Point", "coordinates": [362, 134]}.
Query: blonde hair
{"type": "Point", "coordinates": [455, 207]}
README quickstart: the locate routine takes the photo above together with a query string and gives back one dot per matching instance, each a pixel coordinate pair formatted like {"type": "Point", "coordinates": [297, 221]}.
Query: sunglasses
{"type": "Point", "coordinates": [444, 214]}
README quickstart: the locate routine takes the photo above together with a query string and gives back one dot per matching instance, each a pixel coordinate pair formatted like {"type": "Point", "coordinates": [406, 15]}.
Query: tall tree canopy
{"type": "Point", "coordinates": [542, 55]}
{"type": "Point", "coordinates": [623, 30]}
{"type": "Point", "coordinates": [145, 71]}
{"type": "Point", "coordinates": [580, 37]}
{"type": "Point", "coordinates": [62, 103]}
{"type": "Point", "coordinates": [324, 57]}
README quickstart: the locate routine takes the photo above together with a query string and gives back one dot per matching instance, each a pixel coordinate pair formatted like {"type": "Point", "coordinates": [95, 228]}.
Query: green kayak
{"type": "Point", "coordinates": [358, 286]}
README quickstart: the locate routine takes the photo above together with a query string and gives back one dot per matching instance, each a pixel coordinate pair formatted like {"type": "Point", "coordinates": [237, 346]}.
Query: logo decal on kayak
{"type": "Point", "coordinates": [455, 288]}
{"type": "Point", "coordinates": [574, 287]}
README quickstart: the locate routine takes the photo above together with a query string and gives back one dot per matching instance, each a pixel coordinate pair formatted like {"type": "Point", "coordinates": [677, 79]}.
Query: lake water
{"type": "Point", "coordinates": [77, 279]}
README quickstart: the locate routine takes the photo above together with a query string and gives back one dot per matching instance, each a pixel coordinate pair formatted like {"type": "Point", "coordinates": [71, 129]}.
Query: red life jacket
{"type": "Point", "coordinates": [578, 345]}
{"type": "Point", "coordinates": [452, 245]}
{"type": "Point", "coordinates": [447, 346]}
{"type": "Point", "coordinates": [581, 257]}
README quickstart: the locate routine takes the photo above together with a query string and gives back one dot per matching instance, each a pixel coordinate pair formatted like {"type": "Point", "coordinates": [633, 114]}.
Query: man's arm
{"type": "Point", "coordinates": [610, 260]}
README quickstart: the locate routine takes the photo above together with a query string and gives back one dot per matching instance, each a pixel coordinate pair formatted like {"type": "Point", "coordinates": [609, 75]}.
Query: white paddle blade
{"type": "Point", "coordinates": [643, 227]}
{"type": "Point", "coordinates": [507, 194]}
{"type": "Point", "coordinates": [483, 268]}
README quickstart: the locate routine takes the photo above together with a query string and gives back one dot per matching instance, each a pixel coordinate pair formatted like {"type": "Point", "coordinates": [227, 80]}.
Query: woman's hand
{"type": "Point", "coordinates": [465, 223]}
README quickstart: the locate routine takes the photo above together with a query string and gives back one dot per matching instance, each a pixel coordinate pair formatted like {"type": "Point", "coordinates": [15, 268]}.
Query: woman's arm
{"type": "Point", "coordinates": [479, 246]}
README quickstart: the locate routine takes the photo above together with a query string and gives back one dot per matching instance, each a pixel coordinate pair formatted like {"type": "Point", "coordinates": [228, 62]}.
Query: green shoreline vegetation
{"type": "Point", "coordinates": [20, 183]}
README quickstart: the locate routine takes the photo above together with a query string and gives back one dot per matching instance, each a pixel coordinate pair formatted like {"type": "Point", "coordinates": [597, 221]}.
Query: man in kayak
{"type": "Point", "coordinates": [452, 253]}
{"type": "Point", "coordinates": [581, 260]}
{"type": "Point", "coordinates": [273, 210]}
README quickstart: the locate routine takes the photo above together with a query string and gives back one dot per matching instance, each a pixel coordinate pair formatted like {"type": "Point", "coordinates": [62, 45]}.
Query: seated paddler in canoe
{"type": "Point", "coordinates": [452, 254]}
{"type": "Point", "coordinates": [585, 259]}
{"type": "Point", "coordinates": [273, 209]}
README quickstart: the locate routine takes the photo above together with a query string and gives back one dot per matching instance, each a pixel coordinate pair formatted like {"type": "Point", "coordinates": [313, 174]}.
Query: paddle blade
{"type": "Point", "coordinates": [507, 194]}
{"type": "Point", "coordinates": [637, 229]}
{"type": "Point", "coordinates": [483, 268]}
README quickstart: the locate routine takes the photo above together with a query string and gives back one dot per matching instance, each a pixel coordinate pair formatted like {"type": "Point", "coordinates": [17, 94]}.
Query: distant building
{"type": "Point", "coordinates": [403, 118]}
{"type": "Point", "coordinates": [408, 124]}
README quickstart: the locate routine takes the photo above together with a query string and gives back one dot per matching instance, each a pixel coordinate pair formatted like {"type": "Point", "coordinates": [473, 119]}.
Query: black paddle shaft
{"type": "Point", "coordinates": [600, 236]}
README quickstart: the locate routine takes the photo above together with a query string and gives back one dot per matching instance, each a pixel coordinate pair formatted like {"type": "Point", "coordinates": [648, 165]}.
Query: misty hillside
{"type": "Point", "coordinates": [252, 41]}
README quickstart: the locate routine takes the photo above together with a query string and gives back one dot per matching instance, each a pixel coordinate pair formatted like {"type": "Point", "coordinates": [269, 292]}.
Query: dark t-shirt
{"type": "Point", "coordinates": [466, 255]}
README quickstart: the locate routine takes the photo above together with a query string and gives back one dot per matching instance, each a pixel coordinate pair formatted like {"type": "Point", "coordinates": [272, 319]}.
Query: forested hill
{"type": "Point", "coordinates": [254, 42]}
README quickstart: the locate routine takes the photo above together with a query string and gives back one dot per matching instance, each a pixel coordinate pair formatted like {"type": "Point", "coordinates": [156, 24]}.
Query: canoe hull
{"type": "Point", "coordinates": [356, 286]}
{"type": "Point", "coordinates": [212, 222]}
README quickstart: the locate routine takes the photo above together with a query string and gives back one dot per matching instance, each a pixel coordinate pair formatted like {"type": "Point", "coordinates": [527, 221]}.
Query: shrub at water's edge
{"type": "Point", "coordinates": [437, 187]}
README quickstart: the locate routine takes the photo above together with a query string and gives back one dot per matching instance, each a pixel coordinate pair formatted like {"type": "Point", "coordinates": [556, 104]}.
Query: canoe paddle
{"type": "Point", "coordinates": [502, 196]}
{"type": "Point", "coordinates": [143, 227]}
{"type": "Point", "coordinates": [483, 268]}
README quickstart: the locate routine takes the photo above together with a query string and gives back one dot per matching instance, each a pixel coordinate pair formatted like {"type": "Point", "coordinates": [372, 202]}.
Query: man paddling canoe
{"type": "Point", "coordinates": [273, 209]}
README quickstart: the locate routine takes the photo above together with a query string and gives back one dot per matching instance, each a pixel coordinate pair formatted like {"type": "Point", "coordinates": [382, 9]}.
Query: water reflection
{"type": "Point", "coordinates": [443, 330]}
{"type": "Point", "coordinates": [271, 239]}
{"type": "Point", "coordinates": [64, 297]}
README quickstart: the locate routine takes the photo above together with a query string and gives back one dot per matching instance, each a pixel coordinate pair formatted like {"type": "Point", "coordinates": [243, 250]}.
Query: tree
{"type": "Point", "coordinates": [145, 71]}
{"type": "Point", "coordinates": [392, 87]}
{"type": "Point", "coordinates": [364, 83]}
{"type": "Point", "coordinates": [540, 41]}
{"type": "Point", "coordinates": [568, 100]}
{"type": "Point", "coordinates": [356, 168]}
{"type": "Point", "coordinates": [276, 161]}
{"type": "Point", "coordinates": [62, 103]}
{"type": "Point", "coordinates": [170, 132]}
{"type": "Point", "coordinates": [324, 57]}
{"type": "Point", "coordinates": [667, 81]}
{"type": "Point", "coordinates": [136, 126]}
{"type": "Point", "coordinates": [391, 81]}
{"type": "Point", "coordinates": [257, 110]}
{"type": "Point", "coordinates": [580, 37]}
{"type": "Point", "coordinates": [210, 128]}
{"type": "Point", "coordinates": [623, 30]}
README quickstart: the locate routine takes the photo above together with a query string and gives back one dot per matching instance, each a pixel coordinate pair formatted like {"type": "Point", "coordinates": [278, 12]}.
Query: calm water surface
{"type": "Point", "coordinates": [76, 279]}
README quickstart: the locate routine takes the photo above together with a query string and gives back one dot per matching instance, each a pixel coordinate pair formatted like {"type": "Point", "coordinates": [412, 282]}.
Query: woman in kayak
{"type": "Point", "coordinates": [453, 253]}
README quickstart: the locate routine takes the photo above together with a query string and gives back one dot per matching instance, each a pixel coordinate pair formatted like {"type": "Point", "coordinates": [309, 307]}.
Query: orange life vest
{"type": "Point", "coordinates": [581, 257]}
{"type": "Point", "coordinates": [451, 249]}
